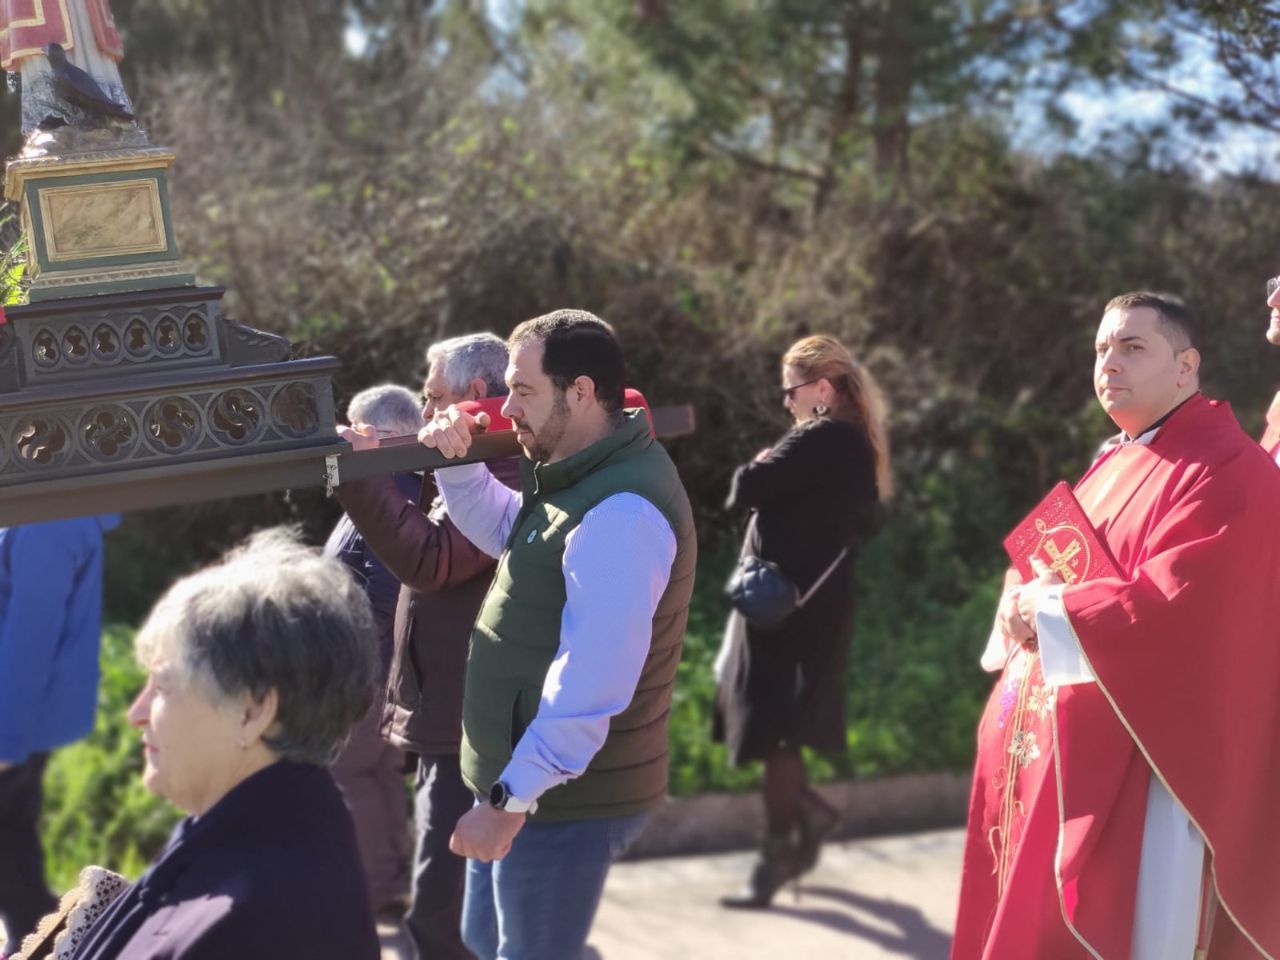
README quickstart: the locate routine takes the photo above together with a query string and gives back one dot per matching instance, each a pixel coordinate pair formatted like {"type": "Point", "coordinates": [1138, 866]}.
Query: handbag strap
{"type": "Point", "coordinates": [822, 579]}
{"type": "Point", "coordinates": [751, 525]}
{"type": "Point", "coordinates": [746, 539]}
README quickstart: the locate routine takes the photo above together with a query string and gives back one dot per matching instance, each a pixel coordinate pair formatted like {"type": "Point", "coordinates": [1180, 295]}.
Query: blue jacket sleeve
{"type": "Point", "coordinates": [43, 559]}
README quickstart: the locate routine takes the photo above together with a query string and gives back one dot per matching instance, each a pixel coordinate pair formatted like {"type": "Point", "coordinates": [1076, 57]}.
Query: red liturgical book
{"type": "Point", "coordinates": [1058, 532]}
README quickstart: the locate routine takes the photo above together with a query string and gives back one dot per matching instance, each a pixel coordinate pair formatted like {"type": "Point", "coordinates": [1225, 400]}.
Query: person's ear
{"type": "Point", "coordinates": [583, 389]}
{"type": "Point", "coordinates": [1188, 366]}
{"type": "Point", "coordinates": [258, 716]}
{"type": "Point", "coordinates": [477, 389]}
{"type": "Point", "coordinates": [827, 392]}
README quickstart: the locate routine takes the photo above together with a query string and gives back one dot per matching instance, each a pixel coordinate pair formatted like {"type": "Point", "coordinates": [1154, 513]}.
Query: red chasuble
{"type": "Point", "coordinates": [1184, 648]}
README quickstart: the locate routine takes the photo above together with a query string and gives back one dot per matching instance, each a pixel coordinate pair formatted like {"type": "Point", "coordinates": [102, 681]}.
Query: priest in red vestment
{"type": "Point", "coordinates": [1127, 784]}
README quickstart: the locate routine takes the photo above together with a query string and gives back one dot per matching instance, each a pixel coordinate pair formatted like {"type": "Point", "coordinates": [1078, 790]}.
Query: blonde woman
{"type": "Point", "coordinates": [815, 496]}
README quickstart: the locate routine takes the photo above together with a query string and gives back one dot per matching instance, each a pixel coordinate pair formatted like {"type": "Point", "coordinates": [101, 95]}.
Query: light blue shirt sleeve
{"type": "Point", "coordinates": [481, 506]}
{"type": "Point", "coordinates": [1061, 658]}
{"type": "Point", "coordinates": [616, 564]}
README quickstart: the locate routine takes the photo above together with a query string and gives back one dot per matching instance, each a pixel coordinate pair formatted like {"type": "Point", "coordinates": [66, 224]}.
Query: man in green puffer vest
{"type": "Point", "coordinates": [575, 649]}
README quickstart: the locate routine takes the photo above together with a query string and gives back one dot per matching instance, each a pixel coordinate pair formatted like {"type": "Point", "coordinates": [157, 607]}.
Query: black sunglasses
{"type": "Point", "coordinates": [790, 392]}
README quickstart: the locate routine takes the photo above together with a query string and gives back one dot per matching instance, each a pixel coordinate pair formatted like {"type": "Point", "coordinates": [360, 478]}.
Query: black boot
{"type": "Point", "coordinates": [778, 863]}
{"type": "Point", "coordinates": [818, 821]}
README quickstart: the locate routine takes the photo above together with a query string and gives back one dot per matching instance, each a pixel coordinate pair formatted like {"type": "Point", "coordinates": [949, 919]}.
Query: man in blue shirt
{"type": "Point", "coordinates": [50, 631]}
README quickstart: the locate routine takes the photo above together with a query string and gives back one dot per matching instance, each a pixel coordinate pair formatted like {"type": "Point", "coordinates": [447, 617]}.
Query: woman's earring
{"type": "Point", "coordinates": [820, 410]}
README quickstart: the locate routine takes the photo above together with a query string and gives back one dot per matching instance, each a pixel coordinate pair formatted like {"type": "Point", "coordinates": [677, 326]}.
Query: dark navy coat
{"type": "Point", "coordinates": [270, 872]}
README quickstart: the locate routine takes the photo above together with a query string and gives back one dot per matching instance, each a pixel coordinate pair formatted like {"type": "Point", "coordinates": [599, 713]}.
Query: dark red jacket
{"type": "Point", "coordinates": [445, 579]}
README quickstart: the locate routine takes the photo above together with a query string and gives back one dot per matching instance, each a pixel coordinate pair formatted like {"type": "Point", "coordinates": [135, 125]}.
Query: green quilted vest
{"type": "Point", "coordinates": [517, 632]}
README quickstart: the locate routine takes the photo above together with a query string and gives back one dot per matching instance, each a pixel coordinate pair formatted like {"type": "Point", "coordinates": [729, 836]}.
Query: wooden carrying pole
{"type": "Point", "coordinates": [328, 465]}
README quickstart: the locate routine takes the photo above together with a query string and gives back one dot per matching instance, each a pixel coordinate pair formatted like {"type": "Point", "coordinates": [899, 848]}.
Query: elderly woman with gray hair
{"type": "Point", "coordinates": [257, 669]}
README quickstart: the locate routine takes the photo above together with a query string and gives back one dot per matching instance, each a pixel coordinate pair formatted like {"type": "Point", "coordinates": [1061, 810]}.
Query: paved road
{"type": "Point", "coordinates": [867, 900]}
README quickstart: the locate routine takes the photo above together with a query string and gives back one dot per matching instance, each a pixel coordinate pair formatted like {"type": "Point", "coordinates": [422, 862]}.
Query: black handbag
{"type": "Point", "coordinates": [761, 592]}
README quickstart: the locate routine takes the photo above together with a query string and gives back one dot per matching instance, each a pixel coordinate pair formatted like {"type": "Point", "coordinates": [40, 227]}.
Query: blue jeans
{"type": "Point", "coordinates": [538, 902]}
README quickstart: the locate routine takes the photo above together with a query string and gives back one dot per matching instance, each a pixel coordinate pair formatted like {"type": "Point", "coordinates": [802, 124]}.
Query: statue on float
{"type": "Point", "coordinates": [67, 54]}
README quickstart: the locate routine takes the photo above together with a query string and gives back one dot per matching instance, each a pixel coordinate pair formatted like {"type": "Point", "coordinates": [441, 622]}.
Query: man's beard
{"type": "Point", "coordinates": [543, 443]}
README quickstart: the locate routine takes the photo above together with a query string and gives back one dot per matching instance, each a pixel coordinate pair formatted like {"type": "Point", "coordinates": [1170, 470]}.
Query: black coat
{"type": "Point", "coordinates": [814, 494]}
{"type": "Point", "coordinates": [271, 871]}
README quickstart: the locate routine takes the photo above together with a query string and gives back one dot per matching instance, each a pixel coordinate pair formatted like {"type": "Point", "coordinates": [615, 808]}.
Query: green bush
{"type": "Point", "coordinates": [96, 810]}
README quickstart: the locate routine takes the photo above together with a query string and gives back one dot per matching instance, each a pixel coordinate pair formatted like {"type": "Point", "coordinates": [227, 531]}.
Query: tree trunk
{"type": "Point", "coordinates": [847, 109]}
{"type": "Point", "coordinates": [289, 45]}
{"type": "Point", "coordinates": [893, 82]}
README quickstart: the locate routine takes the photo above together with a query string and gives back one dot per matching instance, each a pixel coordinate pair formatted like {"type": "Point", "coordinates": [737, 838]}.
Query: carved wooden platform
{"type": "Point", "coordinates": [103, 397]}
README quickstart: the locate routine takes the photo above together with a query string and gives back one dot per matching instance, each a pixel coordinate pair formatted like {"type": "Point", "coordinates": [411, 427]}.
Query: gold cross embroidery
{"type": "Point", "coordinates": [1061, 559]}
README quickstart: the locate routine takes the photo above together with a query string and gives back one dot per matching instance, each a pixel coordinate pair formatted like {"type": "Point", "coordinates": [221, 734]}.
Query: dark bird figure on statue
{"type": "Point", "coordinates": [79, 89]}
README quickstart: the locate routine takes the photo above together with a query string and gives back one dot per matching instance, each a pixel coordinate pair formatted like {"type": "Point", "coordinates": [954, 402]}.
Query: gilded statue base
{"type": "Point", "coordinates": [97, 222]}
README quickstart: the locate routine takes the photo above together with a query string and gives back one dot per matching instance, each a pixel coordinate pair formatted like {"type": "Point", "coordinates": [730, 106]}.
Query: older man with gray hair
{"type": "Point", "coordinates": [370, 771]}
{"type": "Point", "coordinates": [445, 578]}
{"type": "Point", "coordinates": [389, 408]}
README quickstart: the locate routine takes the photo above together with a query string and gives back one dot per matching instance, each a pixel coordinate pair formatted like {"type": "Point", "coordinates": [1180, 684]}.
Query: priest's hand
{"type": "Point", "coordinates": [450, 431]}
{"type": "Point", "coordinates": [485, 833]}
{"type": "Point", "coordinates": [361, 436]}
{"type": "Point", "coordinates": [1030, 594]}
{"type": "Point", "coordinates": [1010, 620]}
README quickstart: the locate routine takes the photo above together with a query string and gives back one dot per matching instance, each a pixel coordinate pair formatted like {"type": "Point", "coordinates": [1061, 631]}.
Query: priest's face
{"type": "Point", "coordinates": [1140, 374]}
{"type": "Point", "coordinates": [1273, 304]}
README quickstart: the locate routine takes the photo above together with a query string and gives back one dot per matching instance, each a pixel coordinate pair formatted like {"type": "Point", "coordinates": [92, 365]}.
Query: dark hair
{"type": "Point", "coordinates": [1176, 322]}
{"type": "Point", "coordinates": [577, 344]}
